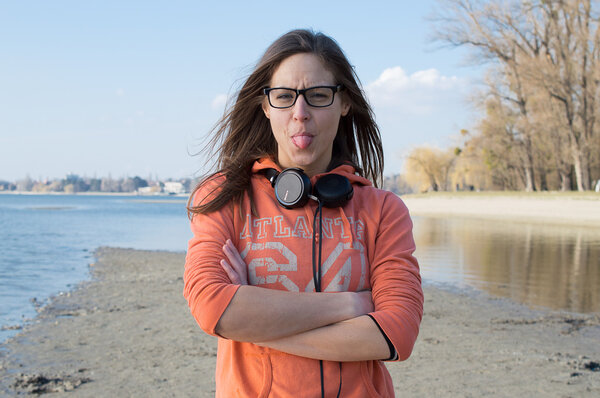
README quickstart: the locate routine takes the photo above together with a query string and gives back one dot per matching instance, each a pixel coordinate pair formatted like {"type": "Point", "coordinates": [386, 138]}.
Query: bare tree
{"type": "Point", "coordinates": [503, 150]}
{"type": "Point", "coordinates": [430, 167]}
{"type": "Point", "coordinates": [539, 45]}
{"type": "Point", "coordinates": [570, 73]}
{"type": "Point", "coordinates": [494, 29]}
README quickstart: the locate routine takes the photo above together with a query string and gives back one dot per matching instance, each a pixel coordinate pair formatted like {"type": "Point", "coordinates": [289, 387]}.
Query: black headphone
{"type": "Point", "coordinates": [293, 188]}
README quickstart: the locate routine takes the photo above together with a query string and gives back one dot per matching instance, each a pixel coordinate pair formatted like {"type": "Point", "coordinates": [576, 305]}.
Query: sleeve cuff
{"type": "Point", "coordinates": [393, 353]}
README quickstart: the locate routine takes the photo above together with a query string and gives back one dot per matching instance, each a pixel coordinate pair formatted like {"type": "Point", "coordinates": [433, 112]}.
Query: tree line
{"type": "Point", "coordinates": [73, 183]}
{"type": "Point", "coordinates": [539, 101]}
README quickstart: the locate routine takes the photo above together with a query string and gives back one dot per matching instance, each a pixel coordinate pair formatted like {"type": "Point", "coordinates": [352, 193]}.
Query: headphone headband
{"type": "Point", "coordinates": [293, 188]}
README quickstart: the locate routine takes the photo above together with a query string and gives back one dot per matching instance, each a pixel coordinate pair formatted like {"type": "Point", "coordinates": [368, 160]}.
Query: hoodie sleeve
{"type": "Point", "coordinates": [207, 287]}
{"type": "Point", "coordinates": [395, 278]}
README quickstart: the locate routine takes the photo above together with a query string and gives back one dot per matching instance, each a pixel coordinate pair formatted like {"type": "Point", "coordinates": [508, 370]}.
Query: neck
{"type": "Point", "coordinates": [310, 170]}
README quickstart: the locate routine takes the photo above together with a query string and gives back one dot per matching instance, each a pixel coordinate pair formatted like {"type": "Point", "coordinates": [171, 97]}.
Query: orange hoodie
{"type": "Point", "coordinates": [367, 244]}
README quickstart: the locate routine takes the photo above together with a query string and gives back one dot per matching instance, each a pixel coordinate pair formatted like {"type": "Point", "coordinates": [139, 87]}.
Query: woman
{"type": "Point", "coordinates": [306, 300]}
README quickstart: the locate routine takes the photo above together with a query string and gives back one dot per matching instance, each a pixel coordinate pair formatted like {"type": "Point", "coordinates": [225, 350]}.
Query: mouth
{"type": "Point", "coordinates": [302, 140]}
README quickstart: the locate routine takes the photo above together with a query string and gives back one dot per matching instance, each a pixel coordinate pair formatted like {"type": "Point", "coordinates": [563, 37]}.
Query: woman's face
{"type": "Point", "coordinates": [305, 134]}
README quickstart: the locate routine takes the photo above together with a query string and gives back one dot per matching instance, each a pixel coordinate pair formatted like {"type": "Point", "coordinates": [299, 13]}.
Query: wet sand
{"type": "Point", "coordinates": [128, 332]}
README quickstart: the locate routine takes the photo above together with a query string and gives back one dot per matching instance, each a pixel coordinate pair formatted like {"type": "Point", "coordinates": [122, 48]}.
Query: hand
{"type": "Point", "coordinates": [363, 302]}
{"type": "Point", "coordinates": [234, 265]}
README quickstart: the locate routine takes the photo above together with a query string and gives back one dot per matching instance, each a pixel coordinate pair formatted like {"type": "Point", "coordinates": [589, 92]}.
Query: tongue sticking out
{"type": "Point", "coordinates": [302, 141]}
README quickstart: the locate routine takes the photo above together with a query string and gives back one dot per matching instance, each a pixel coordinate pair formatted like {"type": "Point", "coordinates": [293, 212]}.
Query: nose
{"type": "Point", "coordinates": [300, 109]}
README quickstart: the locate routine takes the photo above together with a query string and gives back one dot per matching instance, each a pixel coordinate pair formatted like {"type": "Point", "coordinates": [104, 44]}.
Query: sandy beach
{"type": "Point", "coordinates": [551, 208]}
{"type": "Point", "coordinates": [128, 332]}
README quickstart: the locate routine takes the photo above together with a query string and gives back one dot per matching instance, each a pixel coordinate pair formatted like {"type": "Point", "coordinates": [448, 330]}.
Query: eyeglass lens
{"type": "Point", "coordinates": [316, 96]}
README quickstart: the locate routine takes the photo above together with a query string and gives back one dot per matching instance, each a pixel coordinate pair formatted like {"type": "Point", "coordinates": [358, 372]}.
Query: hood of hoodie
{"type": "Point", "coordinates": [345, 170]}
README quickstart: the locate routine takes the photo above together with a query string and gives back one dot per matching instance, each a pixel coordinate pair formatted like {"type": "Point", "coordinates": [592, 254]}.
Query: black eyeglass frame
{"type": "Point", "coordinates": [299, 92]}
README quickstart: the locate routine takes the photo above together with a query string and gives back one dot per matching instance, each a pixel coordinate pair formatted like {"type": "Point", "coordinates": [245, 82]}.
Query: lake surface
{"type": "Point", "coordinates": [47, 243]}
{"type": "Point", "coordinates": [542, 265]}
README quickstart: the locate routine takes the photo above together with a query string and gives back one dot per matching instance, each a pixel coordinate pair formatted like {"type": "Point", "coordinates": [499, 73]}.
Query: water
{"type": "Point", "coordinates": [47, 241]}
{"type": "Point", "coordinates": [555, 267]}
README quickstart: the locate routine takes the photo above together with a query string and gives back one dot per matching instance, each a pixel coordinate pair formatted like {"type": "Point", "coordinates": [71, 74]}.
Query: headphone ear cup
{"type": "Point", "coordinates": [333, 190]}
{"type": "Point", "coordinates": [292, 188]}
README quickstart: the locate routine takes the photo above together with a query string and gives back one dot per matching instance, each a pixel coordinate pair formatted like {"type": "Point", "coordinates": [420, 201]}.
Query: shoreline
{"type": "Point", "coordinates": [128, 332]}
{"type": "Point", "coordinates": [92, 193]}
{"type": "Point", "coordinates": [575, 209]}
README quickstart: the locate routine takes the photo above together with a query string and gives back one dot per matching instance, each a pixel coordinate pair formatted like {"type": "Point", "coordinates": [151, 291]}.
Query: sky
{"type": "Point", "coordinates": [126, 88]}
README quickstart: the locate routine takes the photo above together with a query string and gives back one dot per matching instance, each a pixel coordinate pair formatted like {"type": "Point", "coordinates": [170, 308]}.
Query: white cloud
{"type": "Point", "coordinates": [424, 107]}
{"type": "Point", "coordinates": [420, 92]}
{"type": "Point", "coordinates": [219, 102]}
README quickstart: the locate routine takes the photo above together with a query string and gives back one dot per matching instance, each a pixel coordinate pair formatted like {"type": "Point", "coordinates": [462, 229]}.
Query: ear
{"type": "Point", "coordinates": [266, 108]}
{"type": "Point", "coordinates": [345, 106]}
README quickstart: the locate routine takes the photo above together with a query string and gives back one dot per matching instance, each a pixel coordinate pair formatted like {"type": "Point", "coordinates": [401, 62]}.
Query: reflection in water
{"type": "Point", "coordinates": [537, 264]}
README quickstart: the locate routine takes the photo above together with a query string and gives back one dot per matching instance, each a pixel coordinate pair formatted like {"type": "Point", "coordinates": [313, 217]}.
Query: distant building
{"type": "Point", "coordinates": [173, 188]}
{"type": "Point", "coordinates": [153, 190]}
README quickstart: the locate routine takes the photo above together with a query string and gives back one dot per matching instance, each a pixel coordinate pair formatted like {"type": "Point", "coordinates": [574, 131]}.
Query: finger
{"type": "Point", "coordinates": [233, 276]}
{"type": "Point", "coordinates": [235, 253]}
{"type": "Point", "coordinates": [231, 257]}
{"type": "Point", "coordinates": [229, 250]}
{"type": "Point", "coordinates": [237, 262]}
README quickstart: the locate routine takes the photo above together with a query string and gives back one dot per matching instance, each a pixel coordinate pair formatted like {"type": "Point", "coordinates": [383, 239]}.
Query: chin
{"type": "Point", "coordinates": [303, 162]}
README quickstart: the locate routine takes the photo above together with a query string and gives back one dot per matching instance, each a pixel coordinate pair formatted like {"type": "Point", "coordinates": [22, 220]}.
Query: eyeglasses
{"type": "Point", "coordinates": [318, 96]}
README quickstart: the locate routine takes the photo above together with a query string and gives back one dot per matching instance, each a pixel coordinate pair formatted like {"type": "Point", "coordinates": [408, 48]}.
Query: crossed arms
{"type": "Point", "coordinates": [328, 326]}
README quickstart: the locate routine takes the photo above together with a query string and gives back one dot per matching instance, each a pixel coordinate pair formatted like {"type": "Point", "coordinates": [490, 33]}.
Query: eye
{"type": "Point", "coordinates": [319, 96]}
{"type": "Point", "coordinates": [284, 96]}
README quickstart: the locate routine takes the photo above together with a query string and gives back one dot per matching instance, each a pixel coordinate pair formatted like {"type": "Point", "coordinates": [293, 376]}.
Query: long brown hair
{"type": "Point", "coordinates": [244, 134]}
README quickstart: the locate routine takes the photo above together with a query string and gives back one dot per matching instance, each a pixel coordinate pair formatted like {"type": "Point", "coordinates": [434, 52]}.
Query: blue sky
{"type": "Point", "coordinates": [132, 87]}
